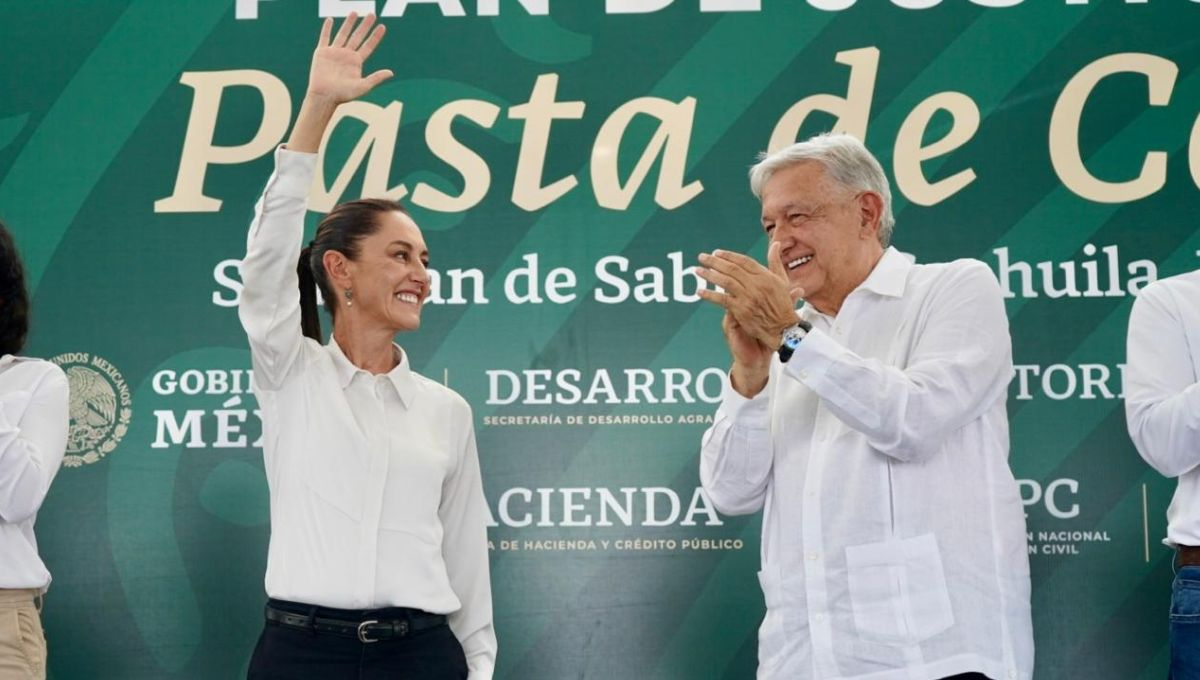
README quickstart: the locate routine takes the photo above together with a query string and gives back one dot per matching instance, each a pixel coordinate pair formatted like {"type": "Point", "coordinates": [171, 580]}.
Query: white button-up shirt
{"type": "Point", "coordinates": [893, 539]}
{"type": "Point", "coordinates": [33, 438]}
{"type": "Point", "coordinates": [1162, 393]}
{"type": "Point", "coordinates": [376, 494]}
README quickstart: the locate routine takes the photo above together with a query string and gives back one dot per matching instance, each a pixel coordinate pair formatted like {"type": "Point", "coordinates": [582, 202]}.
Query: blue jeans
{"type": "Point", "coordinates": [1185, 624]}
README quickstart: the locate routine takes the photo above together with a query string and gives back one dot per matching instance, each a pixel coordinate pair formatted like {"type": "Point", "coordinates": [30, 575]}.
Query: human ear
{"type": "Point", "coordinates": [338, 269]}
{"type": "Point", "coordinates": [870, 212]}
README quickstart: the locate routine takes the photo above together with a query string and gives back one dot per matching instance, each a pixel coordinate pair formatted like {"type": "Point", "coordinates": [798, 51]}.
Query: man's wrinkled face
{"type": "Point", "coordinates": [821, 229]}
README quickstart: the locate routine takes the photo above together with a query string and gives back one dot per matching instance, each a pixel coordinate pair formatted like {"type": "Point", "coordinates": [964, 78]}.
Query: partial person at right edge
{"type": "Point", "coordinates": [378, 560]}
{"type": "Point", "coordinates": [1162, 410]}
{"type": "Point", "coordinates": [33, 438]}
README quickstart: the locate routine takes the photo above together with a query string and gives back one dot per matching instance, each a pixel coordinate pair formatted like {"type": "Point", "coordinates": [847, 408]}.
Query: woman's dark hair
{"type": "Point", "coordinates": [341, 230]}
{"type": "Point", "coordinates": [14, 300]}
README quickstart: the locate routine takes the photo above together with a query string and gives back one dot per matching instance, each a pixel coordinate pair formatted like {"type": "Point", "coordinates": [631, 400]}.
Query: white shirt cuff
{"type": "Point", "coordinates": [293, 172]}
{"type": "Point", "coordinates": [753, 413]}
{"type": "Point", "coordinates": [817, 353]}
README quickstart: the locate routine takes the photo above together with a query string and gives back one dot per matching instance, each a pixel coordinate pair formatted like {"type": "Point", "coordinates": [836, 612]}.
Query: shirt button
{"type": "Point", "coordinates": [803, 374]}
{"type": "Point", "coordinates": [820, 617]}
{"type": "Point", "coordinates": [837, 330]}
{"type": "Point", "coordinates": [813, 557]}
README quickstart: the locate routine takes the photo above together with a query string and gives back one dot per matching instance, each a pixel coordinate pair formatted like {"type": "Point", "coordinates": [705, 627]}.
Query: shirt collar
{"type": "Point", "coordinates": [887, 278]}
{"type": "Point", "coordinates": [401, 376]}
{"type": "Point", "coordinates": [890, 275]}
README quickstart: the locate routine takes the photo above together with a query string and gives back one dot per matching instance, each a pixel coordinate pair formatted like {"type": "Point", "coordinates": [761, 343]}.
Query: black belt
{"type": "Point", "coordinates": [367, 626]}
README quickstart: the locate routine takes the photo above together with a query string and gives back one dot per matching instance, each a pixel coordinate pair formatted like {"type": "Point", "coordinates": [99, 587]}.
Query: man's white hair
{"type": "Point", "coordinates": [845, 160]}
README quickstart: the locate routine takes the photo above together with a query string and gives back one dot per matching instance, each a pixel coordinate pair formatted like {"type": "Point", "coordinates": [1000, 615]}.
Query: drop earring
{"type": "Point", "coordinates": [349, 297]}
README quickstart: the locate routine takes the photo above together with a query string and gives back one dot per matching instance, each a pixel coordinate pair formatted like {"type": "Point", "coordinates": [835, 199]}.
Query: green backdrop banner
{"type": "Point", "coordinates": [567, 160]}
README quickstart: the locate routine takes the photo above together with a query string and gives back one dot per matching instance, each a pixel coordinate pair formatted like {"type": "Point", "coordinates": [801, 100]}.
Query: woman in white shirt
{"type": "Point", "coordinates": [33, 439]}
{"type": "Point", "coordinates": [378, 562]}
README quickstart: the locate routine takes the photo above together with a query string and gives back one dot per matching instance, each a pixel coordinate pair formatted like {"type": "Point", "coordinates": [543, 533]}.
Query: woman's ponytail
{"type": "Point", "coordinates": [310, 320]}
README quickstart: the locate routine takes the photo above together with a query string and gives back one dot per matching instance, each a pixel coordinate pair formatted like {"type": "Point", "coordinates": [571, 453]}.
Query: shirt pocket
{"type": "Point", "coordinates": [898, 590]}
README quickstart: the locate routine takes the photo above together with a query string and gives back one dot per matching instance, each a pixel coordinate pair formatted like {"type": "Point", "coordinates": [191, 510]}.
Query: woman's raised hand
{"type": "Point", "coordinates": [336, 77]}
{"type": "Point", "coordinates": [337, 64]}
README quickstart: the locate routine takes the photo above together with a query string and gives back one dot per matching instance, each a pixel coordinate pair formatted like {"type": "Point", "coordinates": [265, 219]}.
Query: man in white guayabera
{"type": "Point", "coordinates": [1162, 409]}
{"type": "Point", "coordinates": [870, 428]}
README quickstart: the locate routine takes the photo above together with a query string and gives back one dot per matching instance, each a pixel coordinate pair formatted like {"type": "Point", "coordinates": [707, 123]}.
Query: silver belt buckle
{"type": "Point", "coordinates": [362, 633]}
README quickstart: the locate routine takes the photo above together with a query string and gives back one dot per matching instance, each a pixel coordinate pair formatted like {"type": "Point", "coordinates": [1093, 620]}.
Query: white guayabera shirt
{"type": "Point", "coordinates": [376, 494]}
{"type": "Point", "coordinates": [1162, 393]}
{"type": "Point", "coordinates": [893, 544]}
{"type": "Point", "coordinates": [33, 438]}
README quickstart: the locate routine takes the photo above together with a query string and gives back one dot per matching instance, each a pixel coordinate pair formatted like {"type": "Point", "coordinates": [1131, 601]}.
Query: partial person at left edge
{"type": "Point", "coordinates": [33, 439]}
